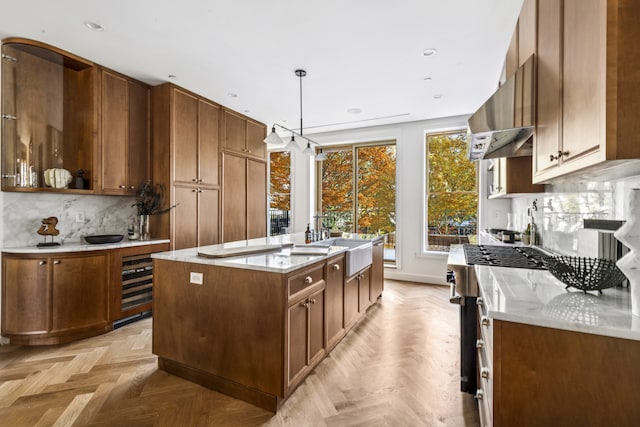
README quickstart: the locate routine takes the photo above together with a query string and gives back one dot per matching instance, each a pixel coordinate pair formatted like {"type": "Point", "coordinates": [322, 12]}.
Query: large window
{"type": "Point", "coordinates": [452, 196]}
{"type": "Point", "coordinates": [279, 192]}
{"type": "Point", "coordinates": [357, 188]}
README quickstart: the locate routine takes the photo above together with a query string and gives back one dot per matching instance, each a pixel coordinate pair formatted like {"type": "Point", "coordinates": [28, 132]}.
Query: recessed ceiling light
{"type": "Point", "coordinates": [438, 96]}
{"type": "Point", "coordinates": [354, 110]}
{"type": "Point", "coordinates": [172, 76]}
{"type": "Point", "coordinates": [247, 111]}
{"type": "Point", "coordinates": [427, 79]}
{"type": "Point", "coordinates": [93, 26]}
{"type": "Point", "coordinates": [232, 95]}
{"type": "Point", "coordinates": [429, 52]}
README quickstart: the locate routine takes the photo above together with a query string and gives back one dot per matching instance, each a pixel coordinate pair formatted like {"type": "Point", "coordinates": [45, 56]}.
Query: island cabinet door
{"type": "Point", "coordinates": [364, 283]}
{"type": "Point", "coordinates": [297, 346]}
{"type": "Point", "coordinates": [307, 342]}
{"type": "Point", "coordinates": [335, 300]}
{"type": "Point", "coordinates": [350, 301]}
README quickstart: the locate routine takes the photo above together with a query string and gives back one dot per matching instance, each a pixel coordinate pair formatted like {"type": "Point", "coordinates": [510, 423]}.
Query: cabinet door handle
{"type": "Point", "coordinates": [194, 191]}
{"type": "Point", "coordinates": [479, 301]}
{"type": "Point", "coordinates": [336, 267]}
{"type": "Point", "coordinates": [308, 280]}
{"type": "Point", "coordinates": [122, 186]}
{"type": "Point", "coordinates": [563, 153]}
{"type": "Point", "coordinates": [312, 300]}
{"type": "Point", "coordinates": [479, 395]}
{"type": "Point", "coordinates": [194, 180]}
{"type": "Point", "coordinates": [479, 343]}
{"type": "Point", "coordinates": [132, 187]}
{"type": "Point", "coordinates": [42, 262]}
{"type": "Point", "coordinates": [484, 373]}
{"type": "Point", "coordinates": [57, 262]}
{"type": "Point", "coordinates": [484, 320]}
{"type": "Point", "coordinates": [304, 304]}
{"type": "Point", "coordinates": [200, 180]}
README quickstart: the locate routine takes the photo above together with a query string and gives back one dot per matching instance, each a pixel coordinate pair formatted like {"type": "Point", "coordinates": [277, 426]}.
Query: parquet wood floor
{"type": "Point", "coordinates": [398, 367]}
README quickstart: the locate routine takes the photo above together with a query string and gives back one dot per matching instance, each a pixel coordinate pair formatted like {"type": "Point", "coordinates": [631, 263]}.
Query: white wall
{"type": "Point", "coordinates": [412, 263]}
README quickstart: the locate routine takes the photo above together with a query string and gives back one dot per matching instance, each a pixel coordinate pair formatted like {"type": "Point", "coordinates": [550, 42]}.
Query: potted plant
{"type": "Point", "coordinates": [149, 202]}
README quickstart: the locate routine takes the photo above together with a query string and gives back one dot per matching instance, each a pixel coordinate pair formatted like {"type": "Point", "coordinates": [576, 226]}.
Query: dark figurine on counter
{"type": "Point", "coordinates": [48, 228]}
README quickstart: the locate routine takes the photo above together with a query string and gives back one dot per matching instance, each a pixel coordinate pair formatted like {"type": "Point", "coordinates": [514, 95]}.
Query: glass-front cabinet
{"type": "Point", "coordinates": [48, 119]}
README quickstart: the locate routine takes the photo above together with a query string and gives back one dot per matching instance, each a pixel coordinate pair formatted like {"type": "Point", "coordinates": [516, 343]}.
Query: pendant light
{"type": "Point", "coordinates": [274, 138]}
{"type": "Point", "coordinates": [321, 156]}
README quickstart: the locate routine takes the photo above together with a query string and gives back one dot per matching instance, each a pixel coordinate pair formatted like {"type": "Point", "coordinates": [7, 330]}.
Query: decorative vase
{"type": "Point", "coordinates": [629, 235]}
{"type": "Point", "coordinates": [143, 226]}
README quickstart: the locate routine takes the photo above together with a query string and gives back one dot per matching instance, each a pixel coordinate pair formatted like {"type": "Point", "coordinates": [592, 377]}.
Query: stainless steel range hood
{"type": "Point", "coordinates": [504, 125]}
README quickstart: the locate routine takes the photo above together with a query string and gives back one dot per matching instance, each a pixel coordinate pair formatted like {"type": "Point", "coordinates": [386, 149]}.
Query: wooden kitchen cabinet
{"type": "Point", "coordinates": [242, 135]}
{"type": "Point", "coordinates": [364, 289]}
{"type": "Point", "coordinates": [335, 301]}
{"type": "Point", "coordinates": [306, 344]}
{"type": "Point", "coordinates": [125, 130]}
{"type": "Point", "coordinates": [510, 176]}
{"type": "Point", "coordinates": [377, 270]}
{"type": "Point", "coordinates": [357, 296]}
{"type": "Point", "coordinates": [196, 124]}
{"type": "Point", "coordinates": [49, 116]}
{"type": "Point", "coordinates": [587, 87]}
{"type": "Point", "coordinates": [244, 202]}
{"type": "Point", "coordinates": [186, 130]}
{"type": "Point", "coordinates": [268, 329]}
{"type": "Point", "coordinates": [201, 203]}
{"type": "Point", "coordinates": [55, 298]}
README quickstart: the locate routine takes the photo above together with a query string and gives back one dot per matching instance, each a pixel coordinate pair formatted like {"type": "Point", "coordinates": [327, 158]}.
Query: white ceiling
{"type": "Point", "coordinates": [359, 54]}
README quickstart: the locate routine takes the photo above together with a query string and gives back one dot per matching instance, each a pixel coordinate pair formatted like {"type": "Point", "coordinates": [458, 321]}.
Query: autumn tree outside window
{"type": "Point", "coordinates": [452, 195]}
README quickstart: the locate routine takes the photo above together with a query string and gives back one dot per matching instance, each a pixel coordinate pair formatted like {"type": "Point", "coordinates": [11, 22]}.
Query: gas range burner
{"type": "Point", "coordinates": [504, 256]}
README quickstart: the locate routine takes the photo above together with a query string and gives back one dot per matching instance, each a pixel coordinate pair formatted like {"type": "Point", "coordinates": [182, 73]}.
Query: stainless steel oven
{"type": "Point", "coordinates": [464, 291]}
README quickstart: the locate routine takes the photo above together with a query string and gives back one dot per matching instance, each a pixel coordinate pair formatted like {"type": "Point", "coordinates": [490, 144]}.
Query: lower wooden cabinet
{"type": "Point", "coordinates": [52, 299]}
{"type": "Point", "coordinates": [335, 301]}
{"type": "Point", "coordinates": [377, 270]}
{"type": "Point", "coordinates": [254, 335]}
{"type": "Point", "coordinates": [306, 335]}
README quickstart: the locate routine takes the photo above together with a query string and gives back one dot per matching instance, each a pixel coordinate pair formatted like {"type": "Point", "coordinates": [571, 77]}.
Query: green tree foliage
{"type": "Point", "coordinates": [451, 183]}
{"type": "Point", "coordinates": [376, 189]}
{"type": "Point", "coordinates": [280, 180]}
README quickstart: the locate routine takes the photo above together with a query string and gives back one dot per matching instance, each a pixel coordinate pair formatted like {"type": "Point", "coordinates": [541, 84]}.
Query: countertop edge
{"type": "Point", "coordinates": [82, 247]}
{"type": "Point", "coordinates": [625, 326]}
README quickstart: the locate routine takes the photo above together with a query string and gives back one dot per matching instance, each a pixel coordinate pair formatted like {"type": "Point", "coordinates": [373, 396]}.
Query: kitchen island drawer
{"type": "Point", "coordinates": [305, 280]}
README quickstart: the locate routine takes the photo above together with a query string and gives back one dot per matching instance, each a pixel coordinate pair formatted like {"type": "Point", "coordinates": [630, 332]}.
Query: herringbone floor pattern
{"type": "Point", "coordinates": [398, 367]}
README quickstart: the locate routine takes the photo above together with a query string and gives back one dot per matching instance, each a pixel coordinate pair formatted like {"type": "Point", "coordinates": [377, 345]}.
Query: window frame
{"type": "Point", "coordinates": [426, 193]}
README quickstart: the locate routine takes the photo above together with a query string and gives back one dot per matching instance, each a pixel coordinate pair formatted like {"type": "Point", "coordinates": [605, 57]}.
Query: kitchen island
{"type": "Point", "coordinates": [550, 356]}
{"type": "Point", "coordinates": [254, 326]}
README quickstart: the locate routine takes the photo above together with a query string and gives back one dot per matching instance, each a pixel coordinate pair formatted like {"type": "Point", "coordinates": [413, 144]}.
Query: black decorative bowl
{"type": "Point", "coordinates": [586, 274]}
{"type": "Point", "coordinates": [104, 238]}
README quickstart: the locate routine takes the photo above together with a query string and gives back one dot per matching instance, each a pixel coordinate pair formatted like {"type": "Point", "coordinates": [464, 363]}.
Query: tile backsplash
{"type": "Point", "coordinates": [22, 214]}
{"type": "Point", "coordinates": [563, 207]}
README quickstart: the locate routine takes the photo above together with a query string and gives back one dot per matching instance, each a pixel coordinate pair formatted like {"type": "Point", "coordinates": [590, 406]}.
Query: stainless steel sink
{"type": "Point", "coordinates": [359, 255]}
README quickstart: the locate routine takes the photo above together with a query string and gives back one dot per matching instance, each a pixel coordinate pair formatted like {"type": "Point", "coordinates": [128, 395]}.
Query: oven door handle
{"type": "Point", "coordinates": [453, 297]}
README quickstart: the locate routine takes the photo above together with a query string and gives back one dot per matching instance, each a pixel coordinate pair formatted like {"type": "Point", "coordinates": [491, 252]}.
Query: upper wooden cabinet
{"type": "Point", "coordinates": [49, 116]}
{"type": "Point", "coordinates": [196, 130]}
{"type": "Point", "coordinates": [185, 161]}
{"type": "Point", "coordinates": [244, 198]}
{"type": "Point", "coordinates": [125, 142]}
{"type": "Point", "coordinates": [588, 86]}
{"type": "Point", "coordinates": [243, 135]}
{"type": "Point", "coordinates": [511, 176]}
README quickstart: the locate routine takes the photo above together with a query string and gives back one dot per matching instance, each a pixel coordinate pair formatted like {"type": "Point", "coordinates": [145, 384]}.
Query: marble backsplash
{"type": "Point", "coordinates": [22, 214]}
{"type": "Point", "coordinates": [563, 207]}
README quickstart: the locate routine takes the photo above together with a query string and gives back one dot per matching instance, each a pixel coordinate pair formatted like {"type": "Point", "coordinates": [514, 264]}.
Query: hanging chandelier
{"type": "Point", "coordinates": [274, 138]}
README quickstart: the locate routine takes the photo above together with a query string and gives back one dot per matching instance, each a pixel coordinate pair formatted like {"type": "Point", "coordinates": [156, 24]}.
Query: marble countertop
{"type": "Point", "coordinates": [535, 297]}
{"type": "Point", "coordinates": [81, 247]}
{"type": "Point", "coordinates": [276, 262]}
